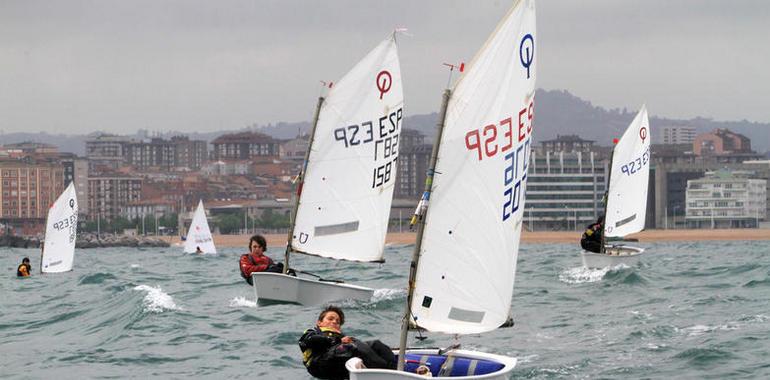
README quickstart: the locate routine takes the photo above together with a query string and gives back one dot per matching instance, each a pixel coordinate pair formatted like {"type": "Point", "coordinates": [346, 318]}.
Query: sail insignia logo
{"type": "Point", "coordinates": [527, 52]}
{"type": "Point", "coordinates": [384, 82]}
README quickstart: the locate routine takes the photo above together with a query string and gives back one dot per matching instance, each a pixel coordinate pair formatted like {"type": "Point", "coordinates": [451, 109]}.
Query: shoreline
{"type": "Point", "coordinates": [536, 237]}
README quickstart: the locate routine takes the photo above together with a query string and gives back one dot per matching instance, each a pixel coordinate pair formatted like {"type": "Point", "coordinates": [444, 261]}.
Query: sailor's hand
{"type": "Point", "coordinates": [347, 339]}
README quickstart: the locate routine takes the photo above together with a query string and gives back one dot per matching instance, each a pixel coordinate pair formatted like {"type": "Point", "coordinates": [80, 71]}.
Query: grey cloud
{"type": "Point", "coordinates": [203, 65]}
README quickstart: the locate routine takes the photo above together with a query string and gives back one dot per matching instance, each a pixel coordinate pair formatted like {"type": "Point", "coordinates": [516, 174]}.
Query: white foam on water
{"type": "Point", "coordinates": [641, 315]}
{"type": "Point", "coordinates": [581, 275]}
{"type": "Point", "coordinates": [156, 300]}
{"type": "Point", "coordinates": [526, 359]}
{"type": "Point", "coordinates": [387, 294]}
{"type": "Point", "coordinates": [242, 302]}
{"type": "Point", "coordinates": [135, 266]}
{"type": "Point", "coordinates": [704, 329]}
{"type": "Point", "coordinates": [760, 318]}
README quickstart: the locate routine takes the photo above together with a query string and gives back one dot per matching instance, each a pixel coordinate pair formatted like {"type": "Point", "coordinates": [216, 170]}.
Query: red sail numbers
{"type": "Point", "coordinates": [510, 139]}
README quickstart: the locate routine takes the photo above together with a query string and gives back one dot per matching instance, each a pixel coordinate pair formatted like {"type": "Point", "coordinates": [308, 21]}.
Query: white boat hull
{"type": "Point", "coordinates": [507, 364]}
{"type": "Point", "coordinates": [309, 292]}
{"type": "Point", "coordinates": [615, 255]}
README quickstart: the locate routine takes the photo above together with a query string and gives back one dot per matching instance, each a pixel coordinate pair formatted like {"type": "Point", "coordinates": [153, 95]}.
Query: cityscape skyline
{"type": "Point", "coordinates": [77, 67]}
{"type": "Point", "coordinates": [560, 113]}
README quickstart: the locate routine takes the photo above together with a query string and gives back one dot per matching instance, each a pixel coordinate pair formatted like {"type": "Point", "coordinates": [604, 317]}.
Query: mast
{"type": "Point", "coordinates": [420, 230]}
{"type": "Point", "coordinates": [300, 181]}
{"type": "Point", "coordinates": [606, 200]}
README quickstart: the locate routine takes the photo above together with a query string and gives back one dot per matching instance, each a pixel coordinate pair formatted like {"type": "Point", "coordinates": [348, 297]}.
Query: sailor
{"type": "Point", "coordinates": [24, 269]}
{"type": "Point", "coordinates": [592, 237]}
{"type": "Point", "coordinates": [198, 250]}
{"type": "Point", "coordinates": [325, 349]}
{"type": "Point", "coordinates": [257, 261]}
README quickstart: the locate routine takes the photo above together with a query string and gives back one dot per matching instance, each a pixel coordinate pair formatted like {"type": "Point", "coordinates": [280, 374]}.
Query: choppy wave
{"type": "Point", "coordinates": [581, 275]}
{"type": "Point", "coordinates": [705, 357]}
{"type": "Point", "coordinates": [705, 329]}
{"type": "Point", "coordinates": [96, 278]}
{"type": "Point", "coordinates": [695, 310]}
{"type": "Point", "coordinates": [156, 301]}
{"type": "Point", "coordinates": [242, 302]}
{"type": "Point", "coordinates": [387, 294]}
{"type": "Point", "coordinates": [756, 283]}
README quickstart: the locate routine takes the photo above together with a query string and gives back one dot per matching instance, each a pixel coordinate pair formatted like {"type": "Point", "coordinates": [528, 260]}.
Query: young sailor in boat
{"type": "Point", "coordinates": [198, 250]}
{"type": "Point", "coordinates": [257, 261]}
{"type": "Point", "coordinates": [325, 349]}
{"type": "Point", "coordinates": [24, 268]}
{"type": "Point", "coordinates": [592, 237]}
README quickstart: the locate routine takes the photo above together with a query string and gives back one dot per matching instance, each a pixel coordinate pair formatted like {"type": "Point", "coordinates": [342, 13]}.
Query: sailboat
{"type": "Point", "coordinates": [464, 262]}
{"type": "Point", "coordinates": [626, 200]}
{"type": "Point", "coordinates": [345, 187]}
{"type": "Point", "coordinates": [61, 232]}
{"type": "Point", "coordinates": [199, 234]}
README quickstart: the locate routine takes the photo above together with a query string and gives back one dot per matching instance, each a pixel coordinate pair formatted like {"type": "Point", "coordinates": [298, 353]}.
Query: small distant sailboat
{"type": "Point", "coordinates": [61, 233]}
{"type": "Point", "coordinates": [464, 262]}
{"type": "Point", "coordinates": [626, 200]}
{"type": "Point", "coordinates": [199, 235]}
{"type": "Point", "coordinates": [345, 187]}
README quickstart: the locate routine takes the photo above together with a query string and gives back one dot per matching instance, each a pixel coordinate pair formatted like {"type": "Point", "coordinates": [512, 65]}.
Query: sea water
{"type": "Point", "coordinates": [689, 310]}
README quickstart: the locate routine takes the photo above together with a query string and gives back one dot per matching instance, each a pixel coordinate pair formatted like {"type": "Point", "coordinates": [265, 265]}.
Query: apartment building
{"type": "Point", "coordinates": [108, 193]}
{"type": "Point", "coordinates": [726, 199]}
{"type": "Point", "coordinates": [28, 187]}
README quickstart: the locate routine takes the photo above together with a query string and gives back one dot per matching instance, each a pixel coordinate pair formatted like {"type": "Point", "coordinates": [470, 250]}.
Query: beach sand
{"type": "Point", "coordinates": [279, 240]}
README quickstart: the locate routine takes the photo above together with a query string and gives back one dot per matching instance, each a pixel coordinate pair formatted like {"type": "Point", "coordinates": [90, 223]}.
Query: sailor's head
{"type": "Point", "coordinates": [257, 243]}
{"type": "Point", "coordinates": [332, 316]}
{"type": "Point", "coordinates": [25, 260]}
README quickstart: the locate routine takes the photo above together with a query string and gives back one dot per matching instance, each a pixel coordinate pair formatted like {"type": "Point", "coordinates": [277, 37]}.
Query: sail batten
{"type": "Point", "coordinates": [61, 233]}
{"type": "Point", "coordinates": [465, 276]}
{"type": "Point", "coordinates": [349, 177]}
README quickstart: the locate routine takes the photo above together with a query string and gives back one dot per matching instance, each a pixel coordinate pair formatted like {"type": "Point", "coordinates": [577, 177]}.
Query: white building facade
{"type": "Point", "coordinates": [677, 135]}
{"type": "Point", "coordinates": [725, 199]}
{"type": "Point", "coordinates": [565, 190]}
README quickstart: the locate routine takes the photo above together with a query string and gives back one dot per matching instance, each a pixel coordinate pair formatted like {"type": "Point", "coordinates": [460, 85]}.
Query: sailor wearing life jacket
{"type": "Point", "coordinates": [256, 260]}
{"type": "Point", "coordinates": [325, 349]}
{"type": "Point", "coordinates": [24, 269]}
{"type": "Point", "coordinates": [592, 237]}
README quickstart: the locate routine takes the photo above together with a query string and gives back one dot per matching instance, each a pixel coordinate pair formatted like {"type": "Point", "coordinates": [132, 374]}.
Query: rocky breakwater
{"type": "Point", "coordinates": [88, 240]}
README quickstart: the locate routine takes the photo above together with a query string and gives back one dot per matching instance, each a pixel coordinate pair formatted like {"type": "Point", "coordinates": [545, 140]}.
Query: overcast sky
{"type": "Point", "coordinates": [200, 65]}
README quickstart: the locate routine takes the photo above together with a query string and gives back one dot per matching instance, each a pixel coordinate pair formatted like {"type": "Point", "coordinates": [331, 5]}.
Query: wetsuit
{"type": "Point", "coordinates": [23, 270]}
{"type": "Point", "coordinates": [250, 264]}
{"type": "Point", "coordinates": [592, 238]}
{"type": "Point", "coordinates": [324, 354]}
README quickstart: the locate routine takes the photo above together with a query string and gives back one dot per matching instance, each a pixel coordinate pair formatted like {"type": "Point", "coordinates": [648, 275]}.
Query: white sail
{"type": "Point", "coordinates": [345, 200]}
{"type": "Point", "coordinates": [61, 233]}
{"type": "Point", "coordinates": [629, 176]}
{"type": "Point", "coordinates": [466, 272]}
{"type": "Point", "coordinates": [199, 235]}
